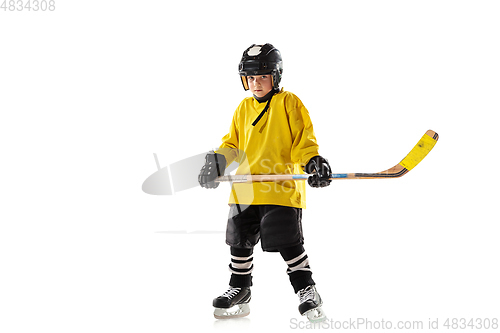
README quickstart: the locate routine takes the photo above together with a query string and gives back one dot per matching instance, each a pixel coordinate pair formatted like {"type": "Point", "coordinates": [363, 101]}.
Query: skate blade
{"type": "Point", "coordinates": [237, 311]}
{"type": "Point", "coordinates": [315, 315]}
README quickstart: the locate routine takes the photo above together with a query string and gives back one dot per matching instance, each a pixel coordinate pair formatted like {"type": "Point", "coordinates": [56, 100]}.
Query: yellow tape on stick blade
{"type": "Point", "coordinates": [422, 148]}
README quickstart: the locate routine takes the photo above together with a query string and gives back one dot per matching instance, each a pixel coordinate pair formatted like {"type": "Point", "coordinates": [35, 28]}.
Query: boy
{"type": "Point", "coordinates": [275, 133]}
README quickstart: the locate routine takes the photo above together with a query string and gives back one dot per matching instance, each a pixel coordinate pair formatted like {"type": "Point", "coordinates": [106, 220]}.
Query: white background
{"type": "Point", "coordinates": [90, 91]}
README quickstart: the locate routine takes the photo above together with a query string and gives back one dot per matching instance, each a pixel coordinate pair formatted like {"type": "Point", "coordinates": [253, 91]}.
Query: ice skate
{"type": "Point", "coordinates": [310, 304]}
{"type": "Point", "coordinates": [233, 303]}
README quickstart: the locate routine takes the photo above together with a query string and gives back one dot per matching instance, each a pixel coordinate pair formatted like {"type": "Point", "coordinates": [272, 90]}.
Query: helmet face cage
{"type": "Point", "coordinates": [261, 60]}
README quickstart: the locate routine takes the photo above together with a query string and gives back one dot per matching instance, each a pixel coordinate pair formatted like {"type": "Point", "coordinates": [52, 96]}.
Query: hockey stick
{"type": "Point", "coordinates": [415, 156]}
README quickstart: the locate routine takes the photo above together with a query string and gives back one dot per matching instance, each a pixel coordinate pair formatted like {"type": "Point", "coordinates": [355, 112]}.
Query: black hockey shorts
{"type": "Point", "coordinates": [278, 226]}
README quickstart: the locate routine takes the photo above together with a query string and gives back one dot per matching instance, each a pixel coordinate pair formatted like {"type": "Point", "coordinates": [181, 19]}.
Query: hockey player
{"type": "Point", "coordinates": [274, 130]}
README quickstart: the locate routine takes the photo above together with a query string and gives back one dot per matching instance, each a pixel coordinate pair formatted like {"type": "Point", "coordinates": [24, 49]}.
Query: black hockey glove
{"type": "Point", "coordinates": [215, 165]}
{"type": "Point", "coordinates": [321, 169]}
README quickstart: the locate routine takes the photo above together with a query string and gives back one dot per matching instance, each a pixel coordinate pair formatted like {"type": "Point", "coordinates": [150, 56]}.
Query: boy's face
{"type": "Point", "coordinates": [260, 85]}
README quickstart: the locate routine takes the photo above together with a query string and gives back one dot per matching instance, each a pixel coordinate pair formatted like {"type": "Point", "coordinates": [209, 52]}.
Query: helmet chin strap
{"type": "Point", "coordinates": [262, 113]}
{"type": "Point", "coordinates": [267, 96]}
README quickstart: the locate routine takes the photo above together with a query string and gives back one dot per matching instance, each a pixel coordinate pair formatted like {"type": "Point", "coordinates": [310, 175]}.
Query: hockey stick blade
{"type": "Point", "coordinates": [414, 157]}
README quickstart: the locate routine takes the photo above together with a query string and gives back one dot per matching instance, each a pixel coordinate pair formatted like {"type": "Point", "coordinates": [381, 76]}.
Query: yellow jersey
{"type": "Point", "coordinates": [281, 142]}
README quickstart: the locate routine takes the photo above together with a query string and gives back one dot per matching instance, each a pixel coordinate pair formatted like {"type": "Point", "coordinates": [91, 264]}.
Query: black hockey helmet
{"type": "Point", "coordinates": [260, 60]}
